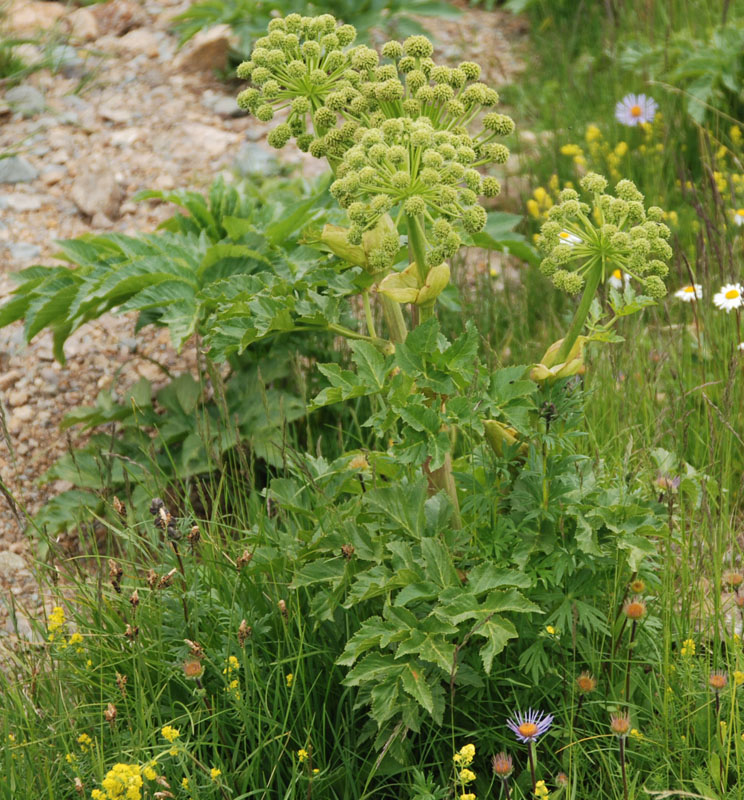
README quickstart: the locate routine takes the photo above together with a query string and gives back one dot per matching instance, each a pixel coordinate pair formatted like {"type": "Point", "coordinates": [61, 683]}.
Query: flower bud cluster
{"type": "Point", "coordinates": [615, 230]}
{"type": "Point", "coordinates": [396, 133]}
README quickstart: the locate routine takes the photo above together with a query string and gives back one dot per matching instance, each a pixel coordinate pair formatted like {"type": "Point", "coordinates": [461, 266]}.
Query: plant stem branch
{"type": "Point", "coordinates": [582, 312]}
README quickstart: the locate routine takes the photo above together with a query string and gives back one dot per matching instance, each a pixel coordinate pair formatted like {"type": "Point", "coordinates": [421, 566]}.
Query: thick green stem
{"type": "Point", "coordinates": [368, 315]}
{"type": "Point", "coordinates": [582, 312]}
{"type": "Point", "coordinates": [443, 478]}
{"type": "Point", "coordinates": [394, 319]}
{"type": "Point", "coordinates": [417, 242]}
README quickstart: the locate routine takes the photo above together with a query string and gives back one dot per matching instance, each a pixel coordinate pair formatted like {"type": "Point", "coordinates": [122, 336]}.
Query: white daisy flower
{"type": "Point", "coordinates": [569, 238]}
{"type": "Point", "coordinates": [739, 216]}
{"type": "Point", "coordinates": [618, 279]}
{"type": "Point", "coordinates": [635, 109]}
{"type": "Point", "coordinates": [729, 297]}
{"type": "Point", "coordinates": [690, 293]}
{"type": "Point", "coordinates": [741, 346]}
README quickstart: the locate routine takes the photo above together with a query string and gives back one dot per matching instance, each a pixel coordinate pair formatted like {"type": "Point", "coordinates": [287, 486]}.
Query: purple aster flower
{"type": "Point", "coordinates": [527, 727]}
{"type": "Point", "coordinates": [635, 109]}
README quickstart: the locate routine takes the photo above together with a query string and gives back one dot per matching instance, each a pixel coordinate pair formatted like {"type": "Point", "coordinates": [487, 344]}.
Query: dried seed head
{"type": "Point", "coordinates": [196, 650]}
{"type": "Point", "coordinates": [637, 586]}
{"type": "Point", "coordinates": [132, 632]}
{"type": "Point", "coordinates": [121, 682]}
{"type": "Point", "coordinates": [717, 680]}
{"type": "Point", "coordinates": [502, 765]}
{"type": "Point", "coordinates": [134, 599]}
{"type": "Point", "coordinates": [194, 536]}
{"type": "Point", "coordinates": [115, 573]}
{"type": "Point", "coordinates": [152, 578]}
{"type": "Point", "coordinates": [620, 724]}
{"type": "Point", "coordinates": [243, 559]}
{"type": "Point", "coordinates": [110, 714]}
{"type": "Point", "coordinates": [733, 579]}
{"type": "Point", "coordinates": [282, 606]}
{"type": "Point", "coordinates": [156, 505]}
{"type": "Point", "coordinates": [167, 579]}
{"type": "Point", "coordinates": [244, 632]}
{"type": "Point", "coordinates": [586, 682]}
{"type": "Point", "coordinates": [193, 668]}
{"type": "Point", "coordinates": [347, 551]}
{"type": "Point", "coordinates": [119, 507]}
{"type": "Point", "coordinates": [635, 609]}
{"type": "Point", "coordinates": [79, 788]}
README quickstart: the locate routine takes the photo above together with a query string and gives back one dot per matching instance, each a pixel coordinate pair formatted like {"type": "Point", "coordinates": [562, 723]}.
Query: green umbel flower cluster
{"type": "Point", "coordinates": [396, 133]}
{"type": "Point", "coordinates": [615, 232]}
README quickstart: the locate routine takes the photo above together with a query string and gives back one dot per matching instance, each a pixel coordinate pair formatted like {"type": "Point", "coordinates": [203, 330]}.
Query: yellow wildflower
{"type": "Point", "coordinates": [736, 134]}
{"type": "Point", "coordinates": [123, 781]}
{"type": "Point", "coordinates": [621, 148]}
{"type": "Point", "coordinates": [173, 751]}
{"type": "Point", "coordinates": [550, 629]}
{"type": "Point", "coordinates": [149, 773]}
{"type": "Point", "coordinates": [185, 783]}
{"type": "Point", "coordinates": [170, 733]}
{"type": "Point", "coordinates": [232, 664]}
{"type": "Point", "coordinates": [302, 755]}
{"type": "Point", "coordinates": [688, 647]}
{"type": "Point", "coordinates": [571, 150]}
{"type": "Point", "coordinates": [466, 776]}
{"type": "Point", "coordinates": [468, 796]}
{"type": "Point", "coordinates": [315, 770]}
{"type": "Point", "coordinates": [97, 794]}
{"type": "Point", "coordinates": [738, 677]}
{"type": "Point", "coordinates": [289, 679]}
{"type": "Point", "coordinates": [533, 209]}
{"type": "Point", "coordinates": [593, 133]}
{"type": "Point", "coordinates": [541, 790]}
{"type": "Point", "coordinates": [70, 758]}
{"type": "Point", "coordinates": [215, 773]}
{"type": "Point", "coordinates": [636, 734]}
{"type": "Point", "coordinates": [76, 638]}
{"type": "Point", "coordinates": [553, 183]}
{"type": "Point", "coordinates": [56, 621]}
{"type": "Point", "coordinates": [85, 742]}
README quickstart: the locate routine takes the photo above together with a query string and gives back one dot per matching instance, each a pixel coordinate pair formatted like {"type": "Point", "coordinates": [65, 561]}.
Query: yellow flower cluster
{"type": "Point", "coordinates": [85, 742]}
{"type": "Point", "coordinates": [56, 621]}
{"type": "Point", "coordinates": [688, 647]}
{"type": "Point", "coordinates": [170, 733]}
{"type": "Point", "coordinates": [541, 791]}
{"type": "Point", "coordinates": [464, 758]}
{"type": "Point", "coordinates": [231, 665]}
{"type": "Point", "coordinates": [302, 755]}
{"type": "Point", "coordinates": [122, 782]}
{"type": "Point", "coordinates": [738, 677]}
{"type": "Point", "coordinates": [289, 679]}
{"type": "Point", "coordinates": [215, 773]}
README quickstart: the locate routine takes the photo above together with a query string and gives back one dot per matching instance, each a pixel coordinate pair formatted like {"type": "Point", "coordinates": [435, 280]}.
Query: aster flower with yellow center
{"type": "Point", "coordinates": [729, 298]}
{"type": "Point", "coordinates": [530, 726]}
{"type": "Point", "coordinates": [739, 217]}
{"type": "Point", "coordinates": [620, 724]}
{"type": "Point", "coordinates": [689, 293]}
{"type": "Point", "coordinates": [636, 109]}
{"type": "Point", "coordinates": [586, 682]}
{"type": "Point", "coordinates": [618, 279]}
{"type": "Point", "coordinates": [502, 765]}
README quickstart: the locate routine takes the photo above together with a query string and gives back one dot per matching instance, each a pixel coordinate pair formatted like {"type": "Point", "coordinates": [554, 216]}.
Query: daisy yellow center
{"type": "Point", "coordinates": [528, 729]}
{"type": "Point", "coordinates": [618, 273]}
{"type": "Point", "coordinates": [635, 111]}
{"type": "Point", "coordinates": [740, 212]}
{"type": "Point", "coordinates": [732, 294]}
{"type": "Point", "coordinates": [564, 235]}
{"type": "Point", "coordinates": [689, 289]}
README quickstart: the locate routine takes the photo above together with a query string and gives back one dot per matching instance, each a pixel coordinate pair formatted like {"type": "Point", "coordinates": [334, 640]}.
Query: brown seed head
{"type": "Point", "coordinates": [121, 682]}
{"type": "Point", "coordinates": [193, 668]}
{"type": "Point", "coordinates": [119, 507]}
{"type": "Point", "coordinates": [115, 573]}
{"type": "Point", "coordinates": [282, 606]}
{"type": "Point", "coordinates": [347, 551]}
{"type": "Point", "coordinates": [733, 579]}
{"type": "Point", "coordinates": [152, 578]}
{"type": "Point", "coordinates": [243, 559]}
{"type": "Point", "coordinates": [620, 724]}
{"type": "Point", "coordinates": [134, 599]}
{"type": "Point", "coordinates": [79, 788]}
{"type": "Point", "coordinates": [194, 536]}
{"type": "Point", "coordinates": [635, 609]}
{"type": "Point", "coordinates": [638, 586]}
{"type": "Point", "coordinates": [244, 632]}
{"type": "Point", "coordinates": [502, 765]}
{"type": "Point", "coordinates": [167, 579]}
{"type": "Point", "coordinates": [561, 779]}
{"type": "Point", "coordinates": [586, 682]}
{"type": "Point", "coordinates": [739, 600]}
{"type": "Point", "coordinates": [196, 650]}
{"type": "Point", "coordinates": [110, 714]}
{"type": "Point", "coordinates": [132, 632]}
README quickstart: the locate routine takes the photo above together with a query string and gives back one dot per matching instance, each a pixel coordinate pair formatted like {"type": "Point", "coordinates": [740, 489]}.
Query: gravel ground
{"type": "Point", "coordinates": [125, 113]}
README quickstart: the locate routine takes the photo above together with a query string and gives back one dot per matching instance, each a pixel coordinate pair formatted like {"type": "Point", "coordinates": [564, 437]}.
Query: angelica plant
{"type": "Point", "coordinates": [404, 137]}
{"type": "Point", "coordinates": [586, 244]}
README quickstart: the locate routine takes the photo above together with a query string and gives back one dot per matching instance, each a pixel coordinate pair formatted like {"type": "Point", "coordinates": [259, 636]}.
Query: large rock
{"type": "Point", "coordinates": [95, 191]}
{"type": "Point", "coordinates": [206, 51]}
{"type": "Point", "coordinates": [26, 17]}
{"type": "Point", "coordinates": [118, 17]}
{"type": "Point", "coordinates": [213, 141]}
{"type": "Point", "coordinates": [136, 42]}
{"type": "Point", "coordinates": [26, 100]}
{"type": "Point", "coordinates": [16, 170]}
{"type": "Point", "coordinates": [82, 24]}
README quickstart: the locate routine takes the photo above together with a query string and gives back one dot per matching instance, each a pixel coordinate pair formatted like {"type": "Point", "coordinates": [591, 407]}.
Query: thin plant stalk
{"type": "Point", "coordinates": [622, 768]}
{"type": "Point", "coordinates": [531, 753]}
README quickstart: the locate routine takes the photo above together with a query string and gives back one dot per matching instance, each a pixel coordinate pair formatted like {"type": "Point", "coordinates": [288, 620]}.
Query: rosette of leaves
{"type": "Point", "coordinates": [585, 243]}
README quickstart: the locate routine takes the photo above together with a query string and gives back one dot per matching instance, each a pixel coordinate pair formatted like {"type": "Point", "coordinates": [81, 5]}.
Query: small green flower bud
{"type": "Point", "coordinates": [447, 195]}
{"type": "Point", "coordinates": [593, 182]}
{"type": "Point", "coordinates": [271, 89]}
{"type": "Point", "coordinates": [311, 51]}
{"type": "Point", "coordinates": [317, 148]}
{"type": "Point", "coordinates": [291, 43]}
{"type": "Point", "coordinates": [265, 113]}
{"type": "Point", "coordinates": [569, 282]}
{"type": "Point", "coordinates": [415, 79]}
{"type": "Point", "coordinates": [498, 153]}
{"type": "Point", "coordinates": [443, 93]}
{"type": "Point", "coordinates": [418, 47]}
{"type": "Point", "coordinates": [654, 287]}
{"type": "Point", "coordinates": [468, 197]}
{"type": "Point", "coordinates": [471, 70]}
{"type": "Point", "coordinates": [367, 174]}
{"type": "Point", "coordinates": [346, 35]}
{"type": "Point", "coordinates": [296, 69]}
{"type": "Point", "coordinates": [570, 208]}
{"type": "Point", "coordinates": [248, 99]}
{"type": "Point", "coordinates": [429, 176]}
{"type": "Point", "coordinates": [326, 22]}
{"type": "Point", "coordinates": [260, 75]}
{"type": "Point", "coordinates": [381, 204]}
{"type": "Point", "coordinates": [386, 72]}
{"type": "Point", "coordinates": [329, 42]}
{"type": "Point", "coordinates": [244, 70]}
{"type": "Point", "coordinates": [440, 74]}
{"type": "Point", "coordinates": [406, 64]}
{"type": "Point", "coordinates": [317, 76]}
{"type": "Point", "coordinates": [473, 180]}
{"type": "Point", "coordinates": [397, 154]}
{"type": "Point", "coordinates": [364, 58]}
{"type": "Point", "coordinates": [656, 267]}
{"type": "Point", "coordinates": [427, 65]}
{"type": "Point", "coordinates": [620, 240]}
{"type": "Point", "coordinates": [378, 152]}
{"type": "Point", "coordinates": [392, 50]}
{"type": "Point", "coordinates": [277, 24]}
{"type": "Point", "coordinates": [568, 194]}
{"type": "Point", "coordinates": [354, 234]}
{"type": "Point", "coordinates": [627, 190]}
{"type": "Point", "coordinates": [297, 125]}
{"type": "Point", "coordinates": [441, 229]}
{"type": "Point", "coordinates": [655, 214]}
{"type": "Point", "coordinates": [324, 118]}
{"type": "Point", "coordinates": [389, 91]}
{"type": "Point", "coordinates": [279, 136]}
{"type": "Point", "coordinates": [292, 22]}
{"type": "Point", "coordinates": [411, 107]}
{"type": "Point", "coordinates": [304, 141]}
{"type": "Point", "coordinates": [636, 211]}
{"type": "Point", "coordinates": [276, 37]}
{"type": "Point", "coordinates": [661, 249]}
{"type": "Point", "coordinates": [414, 206]}
{"type": "Point", "coordinates": [490, 187]}
{"type": "Point", "coordinates": [500, 124]}
{"type": "Point", "coordinates": [400, 179]}
{"type": "Point", "coordinates": [457, 78]}
{"type": "Point", "coordinates": [474, 219]}
{"type": "Point", "coordinates": [301, 105]}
